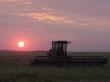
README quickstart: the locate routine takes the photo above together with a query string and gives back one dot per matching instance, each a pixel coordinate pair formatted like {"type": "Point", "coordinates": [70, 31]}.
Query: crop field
{"type": "Point", "coordinates": [15, 67]}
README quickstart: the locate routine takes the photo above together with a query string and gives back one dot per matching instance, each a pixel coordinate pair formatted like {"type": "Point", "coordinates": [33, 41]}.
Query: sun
{"type": "Point", "coordinates": [21, 44]}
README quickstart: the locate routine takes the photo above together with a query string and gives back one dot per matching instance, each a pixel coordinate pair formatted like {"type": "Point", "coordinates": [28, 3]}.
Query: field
{"type": "Point", "coordinates": [14, 67]}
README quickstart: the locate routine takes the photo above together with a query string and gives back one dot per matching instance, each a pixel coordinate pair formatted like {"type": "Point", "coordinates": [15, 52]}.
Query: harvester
{"type": "Point", "coordinates": [58, 56]}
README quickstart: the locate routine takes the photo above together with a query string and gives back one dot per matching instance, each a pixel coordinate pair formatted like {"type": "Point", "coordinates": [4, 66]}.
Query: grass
{"type": "Point", "coordinates": [11, 73]}
{"type": "Point", "coordinates": [12, 70]}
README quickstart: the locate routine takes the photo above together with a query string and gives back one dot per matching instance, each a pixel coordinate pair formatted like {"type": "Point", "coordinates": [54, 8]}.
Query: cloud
{"type": "Point", "coordinates": [47, 17]}
{"type": "Point", "coordinates": [64, 15]}
{"type": "Point", "coordinates": [26, 2]}
{"type": "Point", "coordinates": [54, 18]}
{"type": "Point", "coordinates": [11, 0]}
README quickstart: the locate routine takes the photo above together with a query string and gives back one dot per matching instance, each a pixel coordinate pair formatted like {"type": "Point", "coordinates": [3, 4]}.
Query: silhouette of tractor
{"type": "Point", "coordinates": [58, 56]}
{"type": "Point", "coordinates": [59, 49]}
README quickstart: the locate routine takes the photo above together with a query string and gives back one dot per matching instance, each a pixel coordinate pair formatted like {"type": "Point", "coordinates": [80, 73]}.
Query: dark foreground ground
{"type": "Point", "coordinates": [14, 67]}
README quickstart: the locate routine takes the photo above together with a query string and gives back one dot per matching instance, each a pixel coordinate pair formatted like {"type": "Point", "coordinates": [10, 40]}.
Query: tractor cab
{"type": "Point", "coordinates": [59, 48]}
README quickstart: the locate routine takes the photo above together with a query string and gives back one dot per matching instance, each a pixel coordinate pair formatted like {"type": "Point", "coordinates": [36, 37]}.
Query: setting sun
{"type": "Point", "coordinates": [21, 44]}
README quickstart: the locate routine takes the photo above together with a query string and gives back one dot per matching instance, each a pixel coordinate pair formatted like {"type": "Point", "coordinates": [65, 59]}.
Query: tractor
{"type": "Point", "coordinates": [58, 56]}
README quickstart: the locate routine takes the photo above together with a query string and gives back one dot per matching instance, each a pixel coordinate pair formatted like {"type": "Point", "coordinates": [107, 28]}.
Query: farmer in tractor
{"type": "Point", "coordinates": [49, 53]}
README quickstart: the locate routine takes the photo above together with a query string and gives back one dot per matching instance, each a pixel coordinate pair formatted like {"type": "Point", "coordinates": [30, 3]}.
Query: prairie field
{"type": "Point", "coordinates": [15, 67]}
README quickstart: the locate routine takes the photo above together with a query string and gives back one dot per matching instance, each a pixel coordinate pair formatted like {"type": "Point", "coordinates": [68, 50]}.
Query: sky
{"type": "Point", "coordinates": [85, 23]}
